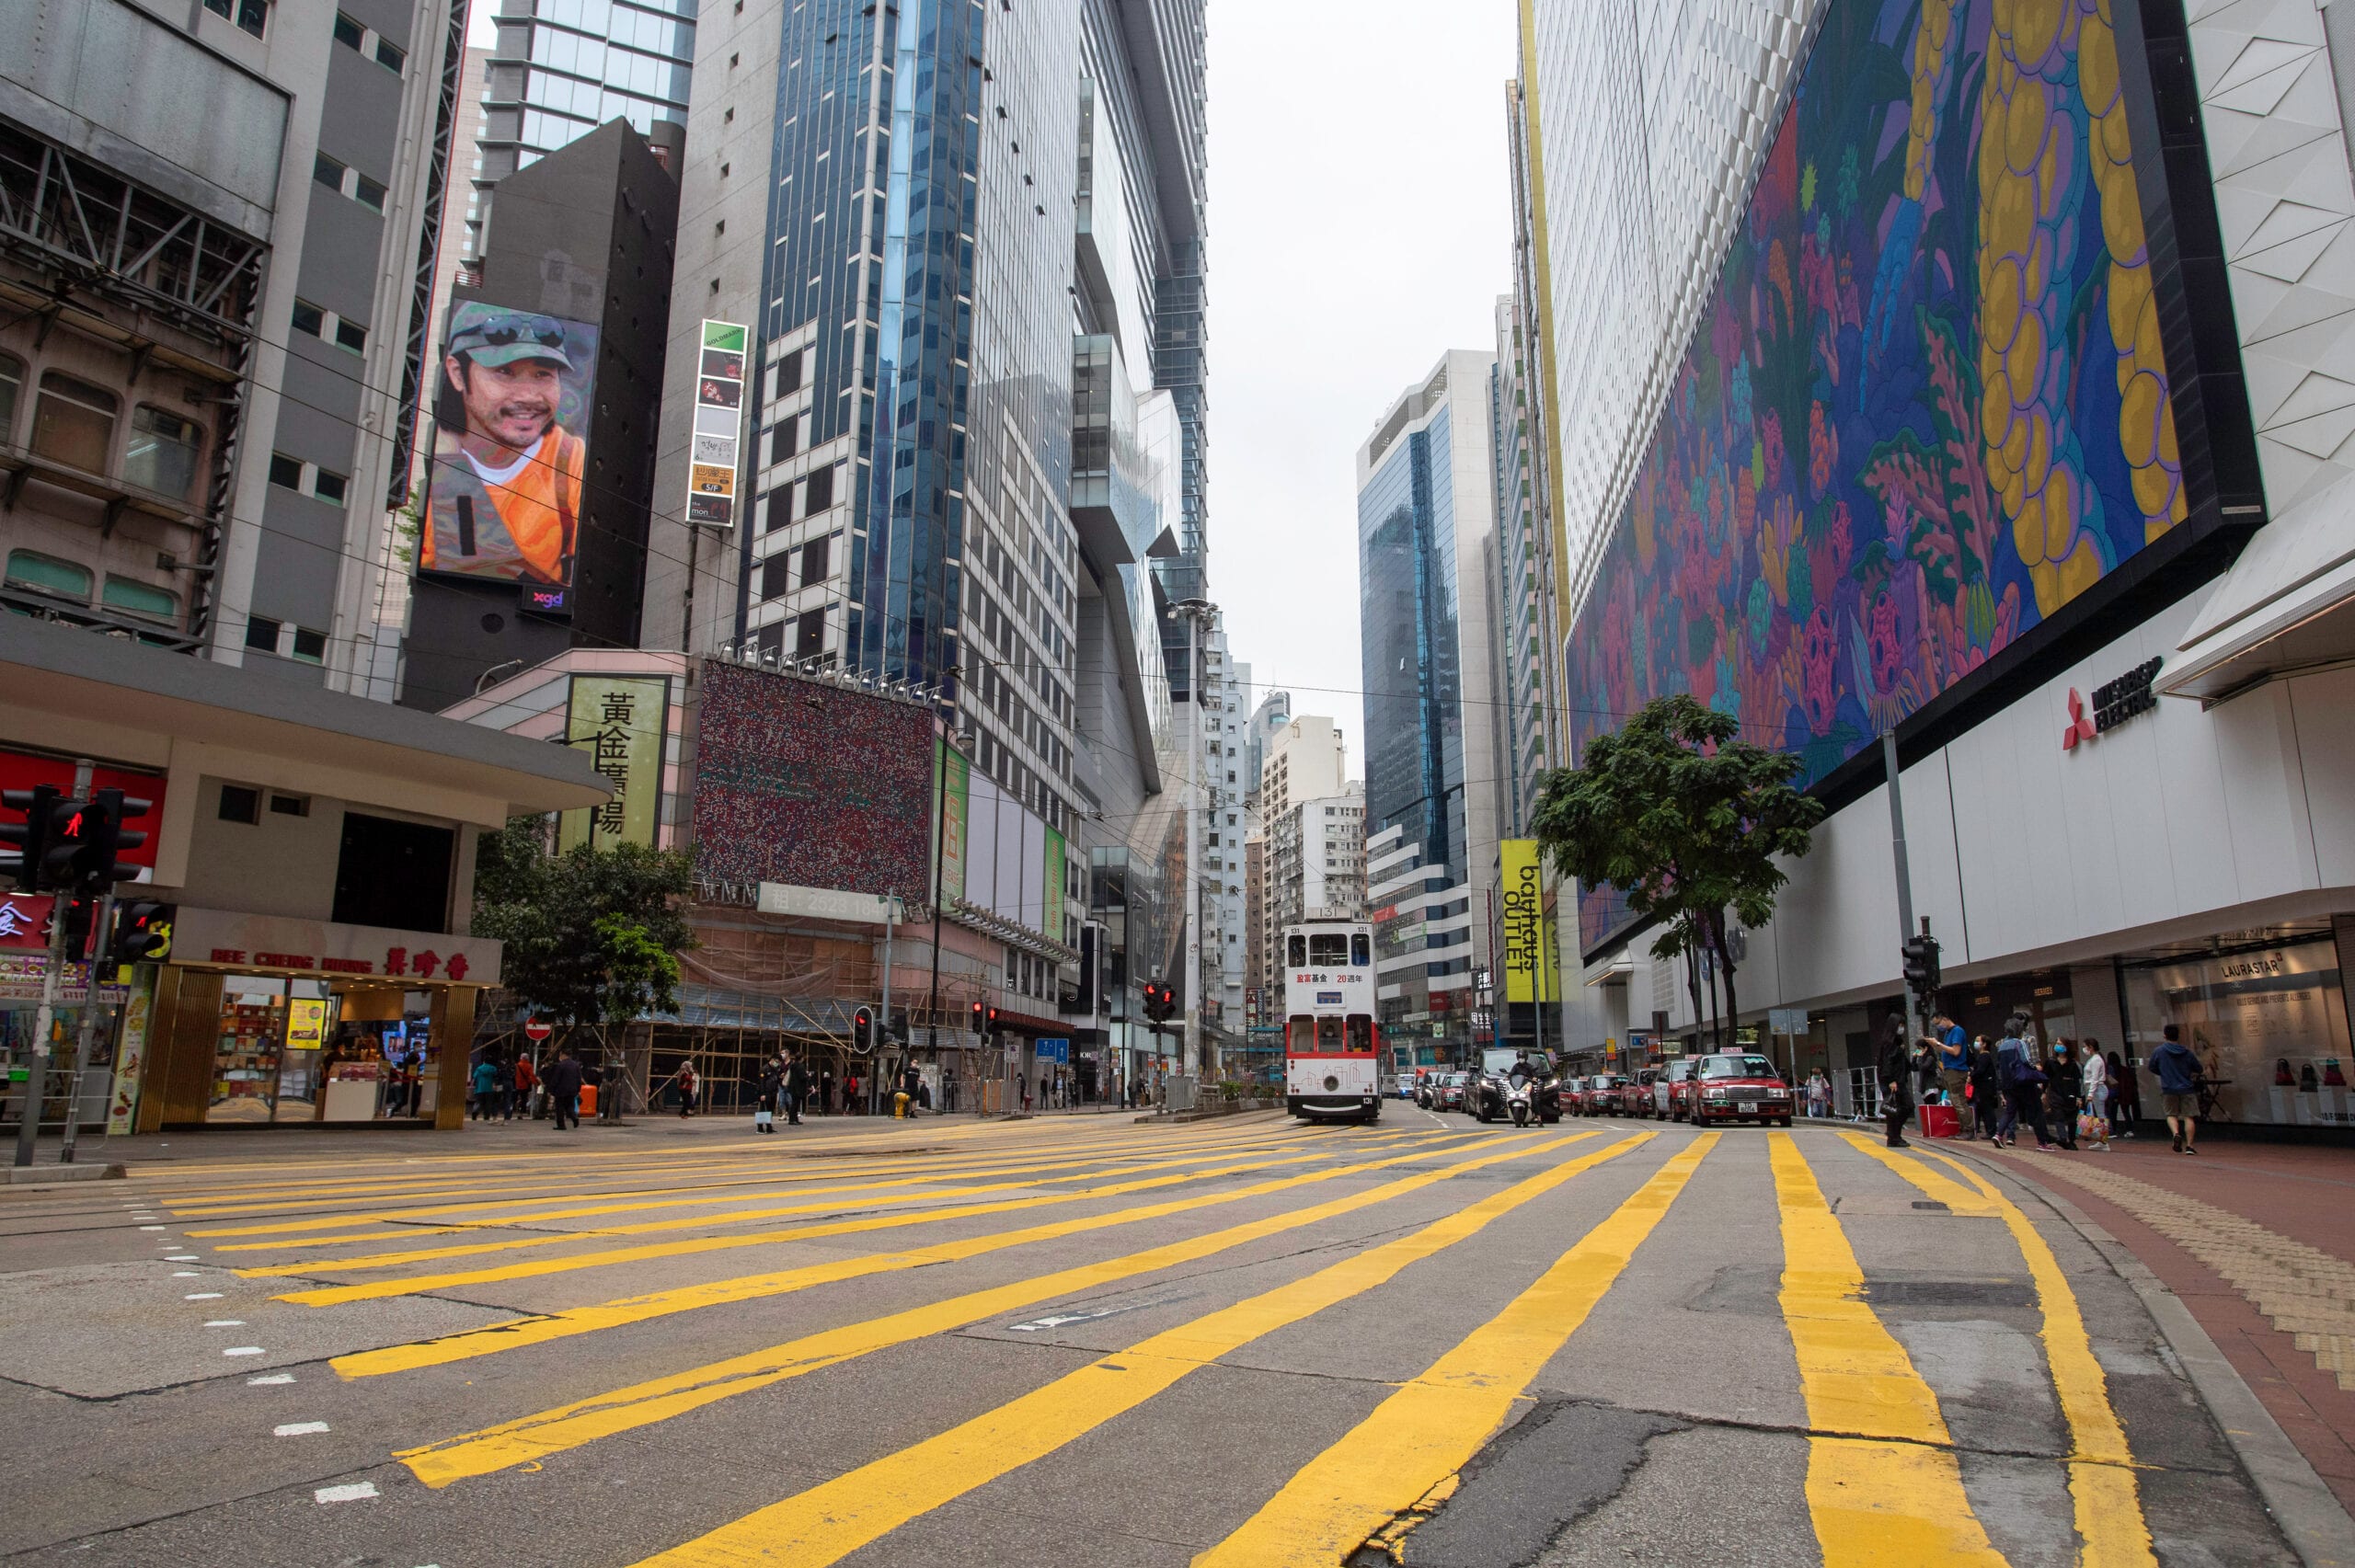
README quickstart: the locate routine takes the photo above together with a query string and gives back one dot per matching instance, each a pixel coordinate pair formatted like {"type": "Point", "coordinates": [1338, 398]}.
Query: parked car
{"type": "Point", "coordinates": [1638, 1095]}
{"type": "Point", "coordinates": [1672, 1089]}
{"type": "Point", "coordinates": [1738, 1088]}
{"type": "Point", "coordinates": [1449, 1095]}
{"type": "Point", "coordinates": [1605, 1095]}
{"type": "Point", "coordinates": [1573, 1093]}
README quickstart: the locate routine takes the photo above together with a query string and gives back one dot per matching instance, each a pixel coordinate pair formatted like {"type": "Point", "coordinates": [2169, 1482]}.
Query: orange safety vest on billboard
{"type": "Point", "coordinates": [523, 530]}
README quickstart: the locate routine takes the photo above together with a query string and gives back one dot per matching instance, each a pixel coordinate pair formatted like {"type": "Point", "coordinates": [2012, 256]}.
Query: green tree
{"type": "Point", "coordinates": [593, 935]}
{"type": "Point", "coordinates": [1687, 821]}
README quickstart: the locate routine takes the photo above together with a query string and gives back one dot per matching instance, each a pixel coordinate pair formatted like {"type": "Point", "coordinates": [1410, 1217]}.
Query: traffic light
{"type": "Point", "coordinates": [1160, 1001]}
{"type": "Point", "coordinates": [1921, 965]}
{"type": "Point", "coordinates": [32, 836]}
{"type": "Point", "coordinates": [89, 845]}
{"type": "Point", "coordinates": [861, 1029]}
{"type": "Point", "coordinates": [79, 913]}
{"type": "Point", "coordinates": [977, 1018]}
{"type": "Point", "coordinates": [142, 933]}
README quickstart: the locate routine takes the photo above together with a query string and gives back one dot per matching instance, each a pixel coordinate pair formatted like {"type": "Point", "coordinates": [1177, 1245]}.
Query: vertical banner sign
{"type": "Point", "coordinates": [949, 874]}
{"type": "Point", "coordinates": [1050, 907]}
{"type": "Point", "coordinates": [720, 423]}
{"type": "Point", "coordinates": [1533, 965]}
{"type": "Point", "coordinates": [620, 719]}
{"type": "Point", "coordinates": [131, 1056]}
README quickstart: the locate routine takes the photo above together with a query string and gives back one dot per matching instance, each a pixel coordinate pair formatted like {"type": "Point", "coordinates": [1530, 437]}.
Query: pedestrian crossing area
{"type": "Point", "coordinates": [1237, 1343]}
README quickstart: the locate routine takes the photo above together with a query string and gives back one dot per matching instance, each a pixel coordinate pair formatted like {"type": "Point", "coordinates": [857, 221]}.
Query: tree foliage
{"type": "Point", "coordinates": [593, 935]}
{"type": "Point", "coordinates": [1684, 818]}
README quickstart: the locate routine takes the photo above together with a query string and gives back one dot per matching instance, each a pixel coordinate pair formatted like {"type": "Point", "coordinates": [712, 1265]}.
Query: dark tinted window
{"type": "Point", "coordinates": [776, 576]}
{"type": "Point", "coordinates": [821, 493]}
{"type": "Point", "coordinates": [392, 874]}
{"type": "Point", "coordinates": [816, 563]}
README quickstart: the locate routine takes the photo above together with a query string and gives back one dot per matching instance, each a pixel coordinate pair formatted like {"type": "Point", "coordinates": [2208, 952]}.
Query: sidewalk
{"type": "Point", "coordinates": [2258, 1241]}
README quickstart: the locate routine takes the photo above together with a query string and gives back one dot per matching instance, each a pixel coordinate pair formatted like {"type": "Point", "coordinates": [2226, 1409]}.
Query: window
{"type": "Point", "coordinates": [329, 486]}
{"type": "Point", "coordinates": [28, 570]}
{"type": "Point", "coordinates": [327, 172]}
{"type": "Point", "coordinates": [250, 14]}
{"type": "Point", "coordinates": [261, 634]}
{"type": "Point", "coordinates": [390, 56]}
{"type": "Point", "coordinates": [368, 192]}
{"type": "Point", "coordinates": [348, 32]}
{"type": "Point", "coordinates": [1360, 949]}
{"type": "Point", "coordinates": [392, 874]}
{"type": "Point", "coordinates": [285, 471]}
{"type": "Point", "coordinates": [815, 566]}
{"type": "Point", "coordinates": [1329, 949]}
{"type": "Point", "coordinates": [309, 319]}
{"type": "Point", "coordinates": [776, 576]}
{"type": "Point", "coordinates": [162, 453]}
{"type": "Point", "coordinates": [353, 335]}
{"type": "Point", "coordinates": [778, 511]}
{"type": "Point", "coordinates": [810, 635]}
{"type": "Point", "coordinates": [140, 599]}
{"type": "Point", "coordinates": [820, 494]}
{"type": "Point", "coordinates": [12, 385]}
{"type": "Point", "coordinates": [788, 373]}
{"type": "Point", "coordinates": [239, 804]}
{"type": "Point", "coordinates": [75, 421]}
{"type": "Point", "coordinates": [1297, 947]}
{"type": "Point", "coordinates": [785, 440]}
{"type": "Point", "coordinates": [310, 647]}
{"type": "Point", "coordinates": [290, 805]}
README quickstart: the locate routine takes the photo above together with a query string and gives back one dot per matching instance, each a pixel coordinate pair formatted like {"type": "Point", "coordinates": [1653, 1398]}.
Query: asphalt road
{"type": "Point", "coordinates": [1082, 1341]}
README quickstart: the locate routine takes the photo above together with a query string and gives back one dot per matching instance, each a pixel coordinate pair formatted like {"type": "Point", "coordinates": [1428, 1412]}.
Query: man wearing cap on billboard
{"type": "Point", "coordinates": [505, 500]}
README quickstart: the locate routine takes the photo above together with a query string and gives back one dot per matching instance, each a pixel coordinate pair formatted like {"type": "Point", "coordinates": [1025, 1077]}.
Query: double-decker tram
{"type": "Point", "coordinates": [1331, 1047]}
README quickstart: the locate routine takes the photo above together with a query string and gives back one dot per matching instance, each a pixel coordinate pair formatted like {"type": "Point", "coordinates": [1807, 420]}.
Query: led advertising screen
{"type": "Point", "coordinates": [1925, 408]}
{"type": "Point", "coordinates": [806, 783]}
{"type": "Point", "coordinates": [719, 421]}
{"type": "Point", "coordinates": [510, 418]}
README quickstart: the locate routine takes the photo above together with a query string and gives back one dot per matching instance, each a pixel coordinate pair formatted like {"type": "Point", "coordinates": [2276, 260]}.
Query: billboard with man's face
{"type": "Point", "coordinates": [503, 498]}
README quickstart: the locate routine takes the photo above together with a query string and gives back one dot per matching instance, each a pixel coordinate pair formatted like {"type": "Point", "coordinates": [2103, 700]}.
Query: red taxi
{"type": "Point", "coordinates": [1739, 1088]}
{"type": "Point", "coordinates": [1605, 1095]}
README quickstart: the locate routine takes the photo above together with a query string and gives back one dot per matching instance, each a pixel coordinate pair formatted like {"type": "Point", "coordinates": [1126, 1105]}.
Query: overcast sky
{"type": "Point", "coordinates": [1359, 227]}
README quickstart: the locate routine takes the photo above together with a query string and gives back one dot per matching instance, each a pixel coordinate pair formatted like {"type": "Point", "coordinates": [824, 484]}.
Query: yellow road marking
{"type": "Point", "coordinates": [1431, 1428]}
{"type": "Point", "coordinates": [602, 1415]}
{"type": "Point", "coordinates": [334, 1295]}
{"type": "Point", "coordinates": [700, 1221]}
{"type": "Point", "coordinates": [1888, 1489]}
{"type": "Point", "coordinates": [830, 1521]}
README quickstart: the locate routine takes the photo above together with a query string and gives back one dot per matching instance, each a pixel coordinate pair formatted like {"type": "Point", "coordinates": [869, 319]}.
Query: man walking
{"type": "Point", "coordinates": [563, 1084]}
{"type": "Point", "coordinates": [2178, 1074]}
{"type": "Point", "coordinates": [1896, 1070]}
{"type": "Point", "coordinates": [1954, 1059]}
{"type": "Point", "coordinates": [797, 1088]}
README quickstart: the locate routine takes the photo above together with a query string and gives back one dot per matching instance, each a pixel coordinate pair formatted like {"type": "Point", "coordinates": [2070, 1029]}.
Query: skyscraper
{"type": "Point", "coordinates": [1525, 652]}
{"type": "Point", "coordinates": [1426, 518]}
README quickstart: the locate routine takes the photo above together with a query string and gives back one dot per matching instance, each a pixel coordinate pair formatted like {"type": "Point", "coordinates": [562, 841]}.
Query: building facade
{"type": "Point", "coordinates": [1425, 522]}
{"type": "Point", "coordinates": [1301, 757]}
{"type": "Point", "coordinates": [1523, 665]}
{"type": "Point", "coordinates": [210, 373]}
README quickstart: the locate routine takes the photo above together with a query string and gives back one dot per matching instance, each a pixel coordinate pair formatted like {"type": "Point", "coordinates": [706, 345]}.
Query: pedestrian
{"type": "Point", "coordinates": [2062, 1093]}
{"type": "Point", "coordinates": [1925, 1071]}
{"type": "Point", "coordinates": [527, 1085]}
{"type": "Point", "coordinates": [486, 1086]}
{"type": "Point", "coordinates": [1954, 1059]}
{"type": "Point", "coordinates": [910, 1085]}
{"type": "Point", "coordinates": [772, 1088]}
{"type": "Point", "coordinates": [1895, 1071]}
{"type": "Point", "coordinates": [796, 1088]}
{"type": "Point", "coordinates": [2178, 1074]}
{"type": "Point", "coordinates": [2023, 1084]}
{"type": "Point", "coordinates": [826, 1091]}
{"type": "Point", "coordinates": [2125, 1097]}
{"type": "Point", "coordinates": [850, 1093]}
{"type": "Point", "coordinates": [1819, 1095]}
{"type": "Point", "coordinates": [1986, 1091]}
{"type": "Point", "coordinates": [563, 1085]}
{"type": "Point", "coordinates": [2093, 1073]}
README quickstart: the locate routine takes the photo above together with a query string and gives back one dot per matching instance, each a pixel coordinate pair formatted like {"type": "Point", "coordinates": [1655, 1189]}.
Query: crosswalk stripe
{"type": "Point", "coordinates": [1883, 1486]}
{"type": "Point", "coordinates": [829, 1521]}
{"type": "Point", "coordinates": [2102, 1483]}
{"type": "Point", "coordinates": [1427, 1431]}
{"type": "Point", "coordinates": [898, 1188]}
{"type": "Point", "coordinates": [574, 1320]}
{"type": "Point", "coordinates": [602, 1415]}
{"type": "Point", "coordinates": [334, 1295]}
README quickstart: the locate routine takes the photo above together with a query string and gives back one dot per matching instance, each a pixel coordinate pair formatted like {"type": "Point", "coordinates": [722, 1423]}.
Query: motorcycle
{"type": "Point", "coordinates": [1518, 1102]}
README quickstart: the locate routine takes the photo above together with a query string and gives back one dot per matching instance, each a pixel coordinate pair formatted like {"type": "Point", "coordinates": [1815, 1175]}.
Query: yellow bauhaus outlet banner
{"type": "Point", "coordinates": [619, 720]}
{"type": "Point", "coordinates": [1532, 961]}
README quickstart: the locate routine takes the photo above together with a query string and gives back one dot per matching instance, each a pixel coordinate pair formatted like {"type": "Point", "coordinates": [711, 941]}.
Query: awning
{"type": "Point", "coordinates": [2287, 605]}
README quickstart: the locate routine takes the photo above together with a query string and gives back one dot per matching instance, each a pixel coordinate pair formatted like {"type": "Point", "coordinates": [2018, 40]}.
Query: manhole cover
{"type": "Point", "coordinates": [1950, 1293]}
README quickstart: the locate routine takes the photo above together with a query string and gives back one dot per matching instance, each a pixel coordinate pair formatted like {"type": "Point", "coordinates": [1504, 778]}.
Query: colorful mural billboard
{"type": "Point", "coordinates": [806, 783]}
{"type": "Point", "coordinates": [1926, 407]}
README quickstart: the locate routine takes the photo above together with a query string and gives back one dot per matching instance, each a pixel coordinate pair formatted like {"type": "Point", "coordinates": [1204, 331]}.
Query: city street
{"type": "Point", "coordinates": [1082, 1340]}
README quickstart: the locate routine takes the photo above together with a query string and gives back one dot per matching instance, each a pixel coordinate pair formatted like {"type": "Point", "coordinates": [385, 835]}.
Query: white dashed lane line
{"type": "Point", "coordinates": [351, 1493]}
{"type": "Point", "coordinates": [202, 1296]}
{"type": "Point", "coordinates": [243, 1350]}
{"type": "Point", "coordinates": [226, 1323]}
{"type": "Point", "coordinates": [298, 1429]}
{"type": "Point", "coordinates": [273, 1378]}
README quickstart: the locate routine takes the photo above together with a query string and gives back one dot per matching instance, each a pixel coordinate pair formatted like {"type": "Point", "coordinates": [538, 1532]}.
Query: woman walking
{"type": "Point", "coordinates": [2093, 1073]}
{"type": "Point", "coordinates": [2125, 1095]}
{"type": "Point", "coordinates": [1986, 1091]}
{"type": "Point", "coordinates": [2023, 1084]}
{"type": "Point", "coordinates": [2061, 1095]}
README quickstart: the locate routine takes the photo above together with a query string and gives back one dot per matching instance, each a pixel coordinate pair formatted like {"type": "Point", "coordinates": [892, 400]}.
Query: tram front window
{"type": "Point", "coordinates": [1329, 1037]}
{"type": "Point", "coordinates": [1296, 949]}
{"type": "Point", "coordinates": [1361, 1033]}
{"type": "Point", "coordinates": [1361, 950]}
{"type": "Point", "coordinates": [1328, 950]}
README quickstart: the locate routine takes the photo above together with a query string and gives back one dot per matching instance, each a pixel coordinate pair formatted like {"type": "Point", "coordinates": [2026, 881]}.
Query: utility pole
{"type": "Point", "coordinates": [1913, 1022]}
{"type": "Point", "coordinates": [883, 1017]}
{"type": "Point", "coordinates": [37, 1083]}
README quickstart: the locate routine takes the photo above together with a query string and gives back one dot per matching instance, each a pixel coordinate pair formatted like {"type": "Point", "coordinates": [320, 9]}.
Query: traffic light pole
{"type": "Point", "coordinates": [101, 934]}
{"type": "Point", "coordinates": [36, 1082]}
{"type": "Point", "coordinates": [1915, 1024]}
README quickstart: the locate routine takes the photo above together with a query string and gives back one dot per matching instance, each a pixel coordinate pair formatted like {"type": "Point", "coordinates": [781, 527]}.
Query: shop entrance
{"type": "Point", "coordinates": [291, 1050]}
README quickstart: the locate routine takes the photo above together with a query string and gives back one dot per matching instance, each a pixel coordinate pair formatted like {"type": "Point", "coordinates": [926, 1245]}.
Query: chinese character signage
{"type": "Point", "coordinates": [619, 720]}
{"type": "Point", "coordinates": [218, 937]}
{"type": "Point", "coordinates": [720, 423]}
{"type": "Point", "coordinates": [24, 922]}
{"type": "Point", "coordinates": [953, 794]}
{"type": "Point", "coordinates": [1533, 959]}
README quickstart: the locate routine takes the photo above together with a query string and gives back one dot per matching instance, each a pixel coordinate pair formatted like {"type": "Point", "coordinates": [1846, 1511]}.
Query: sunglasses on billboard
{"type": "Point", "coordinates": [501, 330]}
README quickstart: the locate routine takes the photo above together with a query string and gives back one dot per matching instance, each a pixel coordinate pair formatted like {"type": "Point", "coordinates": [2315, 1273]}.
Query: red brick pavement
{"type": "Point", "coordinates": [2304, 1193]}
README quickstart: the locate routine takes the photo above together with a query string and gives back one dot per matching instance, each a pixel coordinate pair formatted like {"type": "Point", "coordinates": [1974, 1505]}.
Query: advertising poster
{"type": "Point", "coordinates": [1533, 960]}
{"type": "Point", "coordinates": [620, 720]}
{"type": "Point", "coordinates": [717, 447]}
{"type": "Point", "coordinates": [510, 418]}
{"type": "Point", "coordinates": [131, 1056]}
{"type": "Point", "coordinates": [955, 796]}
{"type": "Point", "coordinates": [1050, 910]}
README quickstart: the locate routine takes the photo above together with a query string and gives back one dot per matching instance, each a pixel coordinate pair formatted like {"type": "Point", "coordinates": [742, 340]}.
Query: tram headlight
{"type": "Point", "coordinates": [1331, 1084]}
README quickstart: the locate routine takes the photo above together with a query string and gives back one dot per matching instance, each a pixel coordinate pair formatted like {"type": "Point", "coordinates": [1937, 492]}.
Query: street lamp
{"type": "Point", "coordinates": [1197, 611]}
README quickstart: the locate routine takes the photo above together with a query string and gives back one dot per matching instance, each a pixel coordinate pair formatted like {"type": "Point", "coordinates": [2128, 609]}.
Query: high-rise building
{"type": "Point", "coordinates": [1305, 758]}
{"type": "Point", "coordinates": [1525, 652]}
{"type": "Point", "coordinates": [1426, 518]}
{"type": "Point", "coordinates": [965, 240]}
{"type": "Point", "coordinates": [1269, 715]}
{"type": "Point", "coordinates": [1314, 856]}
{"type": "Point", "coordinates": [211, 369]}
{"type": "Point", "coordinates": [560, 69]}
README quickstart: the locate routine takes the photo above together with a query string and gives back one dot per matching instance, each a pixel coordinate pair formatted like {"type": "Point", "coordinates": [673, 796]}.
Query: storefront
{"type": "Point", "coordinates": [2265, 1014]}
{"type": "Point", "coordinates": [266, 1021]}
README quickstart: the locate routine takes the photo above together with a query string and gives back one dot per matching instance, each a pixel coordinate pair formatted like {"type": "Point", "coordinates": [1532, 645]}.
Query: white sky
{"type": "Point", "coordinates": [1358, 229]}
